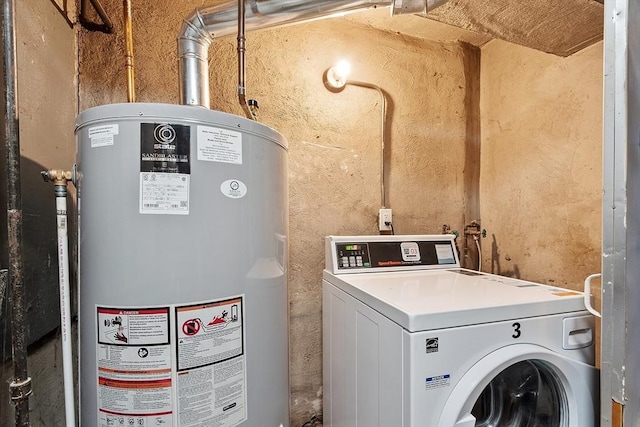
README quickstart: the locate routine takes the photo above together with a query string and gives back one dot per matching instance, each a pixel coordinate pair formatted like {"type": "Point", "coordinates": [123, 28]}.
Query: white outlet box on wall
{"type": "Point", "coordinates": [384, 220]}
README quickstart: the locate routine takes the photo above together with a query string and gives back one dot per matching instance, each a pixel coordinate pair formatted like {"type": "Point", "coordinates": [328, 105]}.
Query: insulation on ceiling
{"type": "Point", "coordinates": [558, 27]}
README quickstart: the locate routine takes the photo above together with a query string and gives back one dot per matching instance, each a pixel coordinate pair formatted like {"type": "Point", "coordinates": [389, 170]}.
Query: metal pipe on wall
{"type": "Point", "coordinates": [242, 90]}
{"type": "Point", "coordinates": [202, 25]}
{"type": "Point", "coordinates": [199, 29]}
{"type": "Point", "coordinates": [21, 385]}
{"type": "Point", "coordinates": [128, 33]}
{"type": "Point", "coordinates": [105, 27]}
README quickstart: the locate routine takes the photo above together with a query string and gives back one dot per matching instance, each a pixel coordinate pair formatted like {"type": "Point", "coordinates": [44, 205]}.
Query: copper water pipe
{"type": "Point", "coordinates": [128, 41]}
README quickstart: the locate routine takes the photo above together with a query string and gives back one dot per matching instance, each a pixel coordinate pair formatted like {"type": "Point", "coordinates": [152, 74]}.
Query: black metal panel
{"type": "Point", "coordinates": [40, 257]}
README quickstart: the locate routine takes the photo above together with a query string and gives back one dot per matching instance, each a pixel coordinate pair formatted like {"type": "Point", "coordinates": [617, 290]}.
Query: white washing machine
{"type": "Point", "coordinates": [410, 339]}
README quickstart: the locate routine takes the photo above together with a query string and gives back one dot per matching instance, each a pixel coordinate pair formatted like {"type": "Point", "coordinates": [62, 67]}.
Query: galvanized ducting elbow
{"type": "Point", "coordinates": [193, 54]}
{"type": "Point", "coordinates": [199, 29]}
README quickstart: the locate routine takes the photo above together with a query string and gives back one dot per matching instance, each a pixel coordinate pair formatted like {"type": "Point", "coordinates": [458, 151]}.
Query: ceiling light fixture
{"type": "Point", "coordinates": [335, 78]}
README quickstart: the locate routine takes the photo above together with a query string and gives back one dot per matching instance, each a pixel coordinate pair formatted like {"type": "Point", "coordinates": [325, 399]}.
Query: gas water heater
{"type": "Point", "coordinates": [183, 268]}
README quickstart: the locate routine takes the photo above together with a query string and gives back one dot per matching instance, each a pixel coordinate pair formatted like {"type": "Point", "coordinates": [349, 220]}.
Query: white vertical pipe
{"type": "Point", "coordinates": [65, 307]}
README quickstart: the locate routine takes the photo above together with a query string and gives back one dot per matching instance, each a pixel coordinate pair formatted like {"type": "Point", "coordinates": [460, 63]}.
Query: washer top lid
{"type": "Point", "coordinates": [435, 299]}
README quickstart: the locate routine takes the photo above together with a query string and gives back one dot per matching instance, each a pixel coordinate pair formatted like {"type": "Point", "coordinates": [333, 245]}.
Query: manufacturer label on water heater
{"type": "Point", "coordinates": [165, 168]}
{"type": "Point", "coordinates": [219, 145]}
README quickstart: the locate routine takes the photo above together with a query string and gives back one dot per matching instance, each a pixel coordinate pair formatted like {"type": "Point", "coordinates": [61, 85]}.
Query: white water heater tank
{"type": "Point", "coordinates": [183, 268]}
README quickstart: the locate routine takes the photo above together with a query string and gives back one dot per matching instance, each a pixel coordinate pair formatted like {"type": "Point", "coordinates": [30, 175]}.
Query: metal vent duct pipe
{"type": "Point", "coordinates": [199, 29]}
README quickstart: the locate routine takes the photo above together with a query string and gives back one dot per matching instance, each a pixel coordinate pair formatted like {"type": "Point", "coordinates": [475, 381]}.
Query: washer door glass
{"type": "Point", "coordinates": [526, 394]}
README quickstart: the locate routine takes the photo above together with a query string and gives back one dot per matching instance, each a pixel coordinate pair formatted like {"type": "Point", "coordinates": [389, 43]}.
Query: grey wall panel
{"type": "Point", "coordinates": [620, 381]}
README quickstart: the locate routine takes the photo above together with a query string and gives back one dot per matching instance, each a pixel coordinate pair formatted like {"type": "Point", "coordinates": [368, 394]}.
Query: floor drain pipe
{"type": "Point", "coordinates": [60, 180]}
{"type": "Point", "coordinates": [21, 385]}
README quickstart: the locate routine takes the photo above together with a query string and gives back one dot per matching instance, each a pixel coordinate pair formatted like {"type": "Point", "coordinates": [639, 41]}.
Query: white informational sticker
{"type": "Point", "coordinates": [219, 145]}
{"type": "Point", "coordinates": [410, 251]}
{"type": "Point", "coordinates": [101, 136]}
{"type": "Point", "coordinates": [438, 381]}
{"type": "Point", "coordinates": [135, 378]}
{"type": "Point", "coordinates": [164, 193]}
{"type": "Point", "coordinates": [211, 364]}
{"type": "Point", "coordinates": [445, 254]}
{"type": "Point", "coordinates": [233, 188]}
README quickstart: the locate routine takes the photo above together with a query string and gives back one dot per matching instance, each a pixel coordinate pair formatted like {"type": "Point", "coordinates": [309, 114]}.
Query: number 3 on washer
{"type": "Point", "coordinates": [516, 330]}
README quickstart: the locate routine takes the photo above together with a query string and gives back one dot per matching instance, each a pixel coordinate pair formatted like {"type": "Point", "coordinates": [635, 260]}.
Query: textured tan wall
{"type": "Point", "coordinates": [541, 173]}
{"type": "Point", "coordinates": [47, 86]}
{"type": "Point", "coordinates": [334, 138]}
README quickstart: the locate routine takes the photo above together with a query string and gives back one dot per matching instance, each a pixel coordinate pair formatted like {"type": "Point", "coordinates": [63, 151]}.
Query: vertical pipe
{"type": "Point", "coordinates": [65, 298]}
{"type": "Point", "coordinates": [21, 385]}
{"type": "Point", "coordinates": [60, 180]}
{"type": "Point", "coordinates": [128, 32]}
{"type": "Point", "coordinates": [242, 90]}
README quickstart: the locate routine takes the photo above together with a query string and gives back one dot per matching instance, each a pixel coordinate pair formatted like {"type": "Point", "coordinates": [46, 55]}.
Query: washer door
{"type": "Point", "coordinates": [524, 386]}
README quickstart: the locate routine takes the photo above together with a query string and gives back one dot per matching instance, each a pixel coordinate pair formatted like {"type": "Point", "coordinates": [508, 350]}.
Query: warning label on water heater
{"type": "Point", "coordinates": [211, 363]}
{"type": "Point", "coordinates": [135, 379]}
{"type": "Point", "coordinates": [177, 365]}
{"type": "Point", "coordinates": [165, 168]}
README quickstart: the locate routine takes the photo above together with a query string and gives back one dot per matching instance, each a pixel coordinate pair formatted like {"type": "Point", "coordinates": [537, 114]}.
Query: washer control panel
{"type": "Point", "coordinates": [351, 254]}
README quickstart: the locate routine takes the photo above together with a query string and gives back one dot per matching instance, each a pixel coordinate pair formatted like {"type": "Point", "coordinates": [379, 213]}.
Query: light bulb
{"type": "Point", "coordinates": [342, 69]}
{"type": "Point", "coordinates": [335, 78]}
